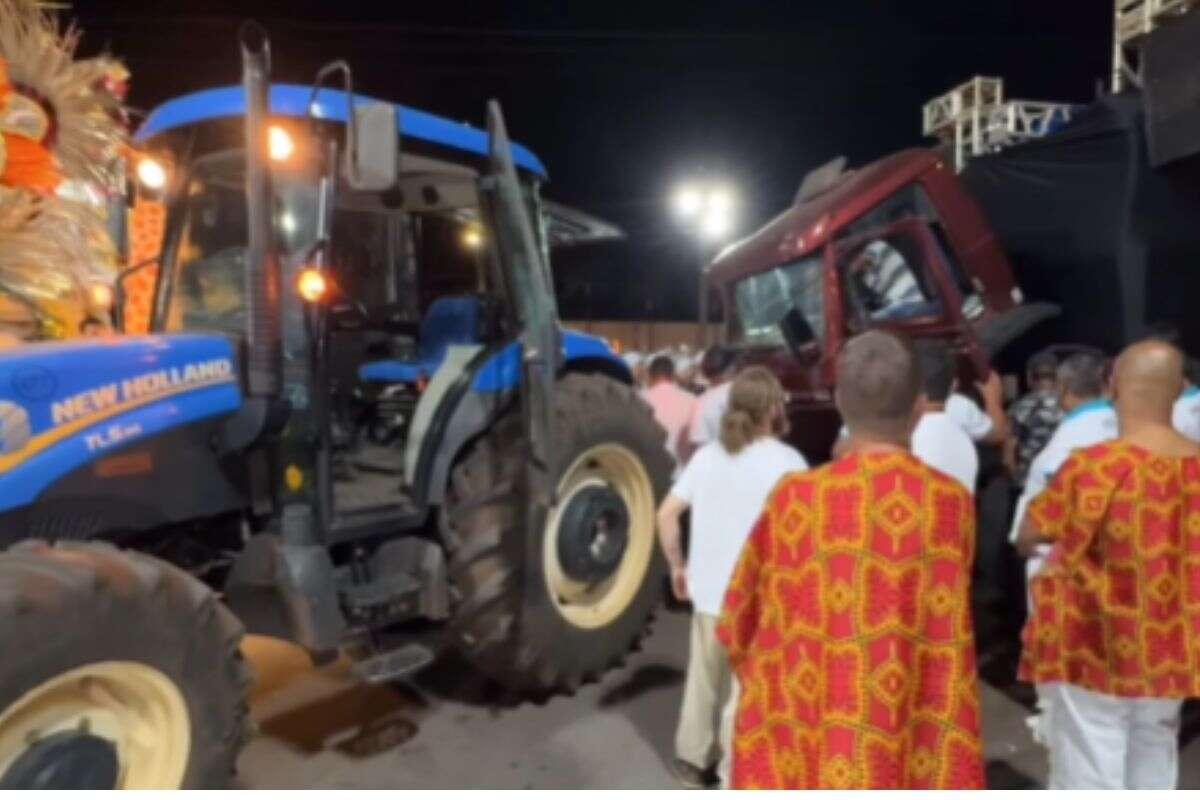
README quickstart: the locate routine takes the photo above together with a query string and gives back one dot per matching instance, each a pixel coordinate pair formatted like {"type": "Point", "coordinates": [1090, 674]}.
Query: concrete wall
{"type": "Point", "coordinates": [645, 336]}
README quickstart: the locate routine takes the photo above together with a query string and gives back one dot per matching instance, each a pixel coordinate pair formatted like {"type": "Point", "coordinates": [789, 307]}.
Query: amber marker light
{"type": "Point", "coordinates": [472, 237]}
{"type": "Point", "coordinates": [311, 285]}
{"type": "Point", "coordinates": [280, 144]}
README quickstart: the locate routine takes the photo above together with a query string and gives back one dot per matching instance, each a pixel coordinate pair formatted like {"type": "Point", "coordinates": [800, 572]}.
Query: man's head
{"type": "Point", "coordinates": [718, 365]}
{"type": "Point", "coordinates": [878, 384]}
{"type": "Point", "coordinates": [1147, 379]}
{"type": "Point", "coordinates": [662, 368]}
{"type": "Point", "coordinates": [1041, 372]}
{"type": "Point", "coordinates": [937, 371]}
{"type": "Point", "coordinates": [1080, 378]}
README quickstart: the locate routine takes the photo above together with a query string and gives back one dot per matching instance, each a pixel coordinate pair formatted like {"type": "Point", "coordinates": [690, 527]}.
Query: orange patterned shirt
{"type": "Point", "coordinates": [1116, 609]}
{"type": "Point", "coordinates": [848, 624]}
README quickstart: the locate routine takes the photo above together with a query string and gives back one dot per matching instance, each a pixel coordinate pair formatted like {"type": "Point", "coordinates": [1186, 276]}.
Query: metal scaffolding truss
{"type": "Point", "coordinates": [973, 118]}
{"type": "Point", "coordinates": [1133, 19]}
{"type": "Point", "coordinates": [1016, 121]}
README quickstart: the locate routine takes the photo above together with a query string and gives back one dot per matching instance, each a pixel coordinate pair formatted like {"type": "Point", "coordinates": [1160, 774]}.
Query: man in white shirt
{"type": "Point", "coordinates": [719, 366]}
{"type": "Point", "coordinates": [987, 426]}
{"type": "Point", "coordinates": [1089, 419]}
{"type": "Point", "coordinates": [939, 440]}
{"type": "Point", "coordinates": [885, 272]}
{"type": "Point", "coordinates": [983, 427]}
{"type": "Point", "coordinates": [726, 484]}
{"type": "Point", "coordinates": [673, 406]}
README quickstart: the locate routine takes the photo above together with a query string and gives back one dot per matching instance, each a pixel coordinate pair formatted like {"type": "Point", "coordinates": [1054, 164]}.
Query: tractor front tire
{"type": "Point", "coordinates": [119, 671]}
{"type": "Point", "coordinates": [543, 614]}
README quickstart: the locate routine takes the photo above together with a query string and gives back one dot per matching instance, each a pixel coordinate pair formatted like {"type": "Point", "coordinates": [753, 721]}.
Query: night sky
{"type": "Point", "coordinates": [623, 99]}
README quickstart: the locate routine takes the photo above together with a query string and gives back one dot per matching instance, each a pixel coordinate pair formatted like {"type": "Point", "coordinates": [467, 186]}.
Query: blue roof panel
{"type": "Point", "coordinates": [291, 100]}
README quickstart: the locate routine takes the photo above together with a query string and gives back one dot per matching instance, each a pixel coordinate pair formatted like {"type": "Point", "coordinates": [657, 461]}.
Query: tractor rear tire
{"type": "Point", "coordinates": [518, 615]}
{"type": "Point", "coordinates": [119, 651]}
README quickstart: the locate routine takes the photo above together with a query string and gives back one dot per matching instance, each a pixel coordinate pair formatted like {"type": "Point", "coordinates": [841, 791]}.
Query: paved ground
{"type": "Point", "coordinates": [319, 728]}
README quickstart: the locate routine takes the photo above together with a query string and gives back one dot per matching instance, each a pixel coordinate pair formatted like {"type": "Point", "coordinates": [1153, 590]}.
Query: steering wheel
{"type": "Point", "coordinates": [349, 314]}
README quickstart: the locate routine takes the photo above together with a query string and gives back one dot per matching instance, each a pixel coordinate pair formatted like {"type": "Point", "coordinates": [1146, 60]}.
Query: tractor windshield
{"type": "Point", "coordinates": [205, 284]}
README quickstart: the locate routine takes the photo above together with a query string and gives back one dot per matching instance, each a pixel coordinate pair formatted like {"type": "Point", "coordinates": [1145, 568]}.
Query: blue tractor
{"type": "Point", "coordinates": [356, 424]}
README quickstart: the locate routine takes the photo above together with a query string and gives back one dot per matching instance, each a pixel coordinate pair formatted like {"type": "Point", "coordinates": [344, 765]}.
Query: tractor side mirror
{"type": "Point", "coordinates": [373, 157]}
{"type": "Point", "coordinates": [799, 335]}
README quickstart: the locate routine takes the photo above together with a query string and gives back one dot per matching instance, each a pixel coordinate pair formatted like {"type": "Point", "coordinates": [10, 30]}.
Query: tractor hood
{"type": "Point", "coordinates": [65, 404]}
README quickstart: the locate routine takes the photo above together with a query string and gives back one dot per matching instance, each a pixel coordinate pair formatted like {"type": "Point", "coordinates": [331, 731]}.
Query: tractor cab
{"type": "Point", "coordinates": [383, 275]}
{"type": "Point", "coordinates": [389, 292]}
{"type": "Point", "coordinates": [895, 245]}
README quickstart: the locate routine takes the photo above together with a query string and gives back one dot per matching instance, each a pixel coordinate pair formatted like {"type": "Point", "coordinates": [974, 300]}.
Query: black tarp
{"type": "Point", "coordinates": [1090, 226]}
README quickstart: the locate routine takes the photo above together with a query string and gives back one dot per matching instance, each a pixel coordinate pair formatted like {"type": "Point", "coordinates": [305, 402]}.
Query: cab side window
{"type": "Point", "coordinates": [902, 260]}
{"type": "Point", "coordinates": [885, 280]}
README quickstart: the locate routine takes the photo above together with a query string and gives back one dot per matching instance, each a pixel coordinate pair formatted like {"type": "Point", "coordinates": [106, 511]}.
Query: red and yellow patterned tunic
{"type": "Point", "coordinates": [848, 625]}
{"type": "Point", "coordinates": [1116, 609]}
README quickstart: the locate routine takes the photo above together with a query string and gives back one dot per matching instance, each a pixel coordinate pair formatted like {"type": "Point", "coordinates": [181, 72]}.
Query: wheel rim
{"type": "Point", "coordinates": [615, 469]}
{"type": "Point", "coordinates": [133, 707]}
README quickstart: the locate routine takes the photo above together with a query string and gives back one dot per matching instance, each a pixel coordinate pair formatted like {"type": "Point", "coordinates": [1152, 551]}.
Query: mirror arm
{"type": "Point", "coordinates": [323, 75]}
{"type": "Point", "coordinates": [118, 306]}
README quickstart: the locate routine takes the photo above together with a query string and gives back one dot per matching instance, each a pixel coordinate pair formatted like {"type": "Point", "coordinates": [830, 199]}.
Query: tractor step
{"type": "Point", "coordinates": [376, 458]}
{"type": "Point", "coordinates": [394, 664]}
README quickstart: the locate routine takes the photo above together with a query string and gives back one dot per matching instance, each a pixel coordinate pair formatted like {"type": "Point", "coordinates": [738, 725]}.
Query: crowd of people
{"type": "Point", "coordinates": [832, 641]}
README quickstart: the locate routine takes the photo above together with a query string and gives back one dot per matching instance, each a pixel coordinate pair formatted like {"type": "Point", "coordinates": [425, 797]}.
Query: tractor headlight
{"type": "Point", "coordinates": [152, 174]}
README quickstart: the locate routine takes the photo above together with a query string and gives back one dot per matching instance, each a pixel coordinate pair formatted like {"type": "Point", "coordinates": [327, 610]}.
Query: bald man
{"type": "Point", "coordinates": [847, 620]}
{"type": "Point", "coordinates": [1113, 639]}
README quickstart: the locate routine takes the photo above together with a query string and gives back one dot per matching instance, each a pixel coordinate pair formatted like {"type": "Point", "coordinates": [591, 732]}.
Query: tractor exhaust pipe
{"type": "Point", "coordinates": [263, 301]}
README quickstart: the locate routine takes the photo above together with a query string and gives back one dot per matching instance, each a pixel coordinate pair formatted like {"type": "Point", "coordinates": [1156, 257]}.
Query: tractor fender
{"type": "Point", "coordinates": [484, 391]}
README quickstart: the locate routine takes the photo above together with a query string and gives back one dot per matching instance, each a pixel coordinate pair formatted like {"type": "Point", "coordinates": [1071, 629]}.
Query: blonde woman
{"type": "Point", "coordinates": [725, 484]}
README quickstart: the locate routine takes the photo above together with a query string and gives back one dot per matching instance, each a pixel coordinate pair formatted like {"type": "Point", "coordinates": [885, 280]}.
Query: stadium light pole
{"type": "Point", "coordinates": [705, 209]}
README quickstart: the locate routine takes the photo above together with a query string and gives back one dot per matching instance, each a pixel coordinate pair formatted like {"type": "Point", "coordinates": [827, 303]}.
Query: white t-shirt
{"type": "Point", "coordinates": [706, 421]}
{"type": "Point", "coordinates": [673, 408]}
{"type": "Point", "coordinates": [1186, 415]}
{"type": "Point", "coordinates": [1089, 423]}
{"type": "Point", "coordinates": [969, 416]}
{"type": "Point", "coordinates": [941, 443]}
{"type": "Point", "coordinates": [727, 494]}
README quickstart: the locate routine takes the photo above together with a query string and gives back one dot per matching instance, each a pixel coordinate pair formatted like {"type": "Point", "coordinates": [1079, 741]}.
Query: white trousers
{"type": "Point", "coordinates": [1098, 741]}
{"type": "Point", "coordinates": [705, 733]}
